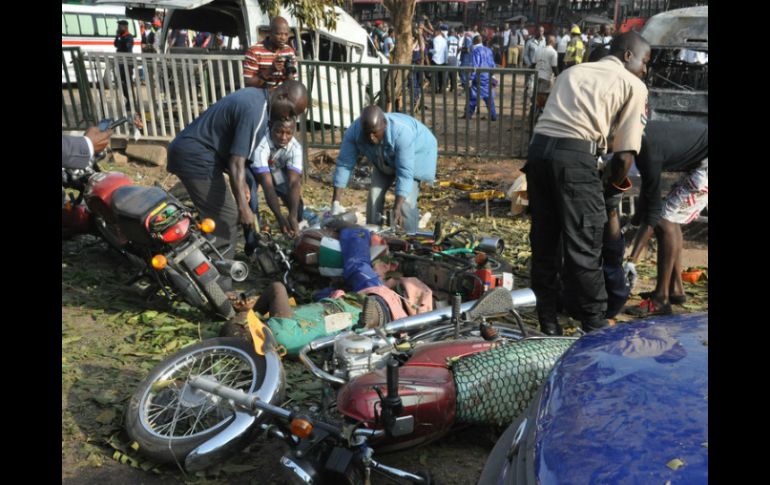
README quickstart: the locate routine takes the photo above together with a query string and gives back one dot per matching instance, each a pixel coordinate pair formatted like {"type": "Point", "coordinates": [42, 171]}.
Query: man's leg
{"type": "Point", "coordinates": [665, 232]}
{"type": "Point", "coordinates": [490, 102]}
{"type": "Point", "coordinates": [583, 216]}
{"type": "Point", "coordinates": [544, 240]}
{"type": "Point", "coordinates": [275, 300]}
{"type": "Point", "coordinates": [213, 199]}
{"type": "Point", "coordinates": [409, 209]}
{"type": "Point", "coordinates": [472, 101]}
{"type": "Point", "coordinates": [375, 202]}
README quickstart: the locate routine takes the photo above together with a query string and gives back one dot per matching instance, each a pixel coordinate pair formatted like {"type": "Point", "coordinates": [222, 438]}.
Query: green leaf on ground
{"type": "Point", "coordinates": [69, 340]}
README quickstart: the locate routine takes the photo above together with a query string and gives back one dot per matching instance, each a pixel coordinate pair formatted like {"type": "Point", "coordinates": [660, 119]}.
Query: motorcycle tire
{"type": "Point", "coordinates": [218, 300]}
{"type": "Point", "coordinates": [168, 419]}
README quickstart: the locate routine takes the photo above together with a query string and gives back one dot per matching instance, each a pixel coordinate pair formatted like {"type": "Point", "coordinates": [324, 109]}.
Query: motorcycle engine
{"type": "Point", "coordinates": [354, 355]}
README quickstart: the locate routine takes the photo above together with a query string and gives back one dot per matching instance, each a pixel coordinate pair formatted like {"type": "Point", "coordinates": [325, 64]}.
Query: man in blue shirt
{"type": "Point", "coordinates": [400, 149]}
{"type": "Point", "coordinates": [224, 138]}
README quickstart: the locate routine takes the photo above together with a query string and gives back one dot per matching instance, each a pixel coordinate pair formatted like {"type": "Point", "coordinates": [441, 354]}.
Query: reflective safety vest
{"type": "Point", "coordinates": [575, 51]}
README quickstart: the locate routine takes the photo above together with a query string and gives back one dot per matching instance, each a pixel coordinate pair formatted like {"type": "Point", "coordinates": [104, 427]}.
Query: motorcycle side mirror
{"type": "Point", "coordinates": [493, 302]}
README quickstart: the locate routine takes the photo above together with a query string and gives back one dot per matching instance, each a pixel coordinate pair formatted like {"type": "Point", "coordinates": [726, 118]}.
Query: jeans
{"type": "Point", "coordinates": [375, 203]}
{"type": "Point", "coordinates": [212, 198]}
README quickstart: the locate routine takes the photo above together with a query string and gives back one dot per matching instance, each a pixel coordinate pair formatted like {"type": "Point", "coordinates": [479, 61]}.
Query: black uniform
{"type": "Point", "coordinates": [125, 43]}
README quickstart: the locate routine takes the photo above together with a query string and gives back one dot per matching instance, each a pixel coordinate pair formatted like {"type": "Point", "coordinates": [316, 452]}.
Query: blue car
{"type": "Point", "coordinates": [627, 404]}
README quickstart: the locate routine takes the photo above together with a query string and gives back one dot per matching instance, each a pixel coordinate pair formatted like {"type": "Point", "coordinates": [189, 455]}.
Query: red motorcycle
{"type": "Point", "coordinates": [155, 232]}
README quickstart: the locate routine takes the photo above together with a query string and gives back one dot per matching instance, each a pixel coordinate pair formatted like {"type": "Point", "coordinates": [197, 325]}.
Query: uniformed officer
{"type": "Point", "coordinates": [588, 104]}
{"type": "Point", "coordinates": [401, 149]}
{"type": "Point", "coordinates": [575, 49]}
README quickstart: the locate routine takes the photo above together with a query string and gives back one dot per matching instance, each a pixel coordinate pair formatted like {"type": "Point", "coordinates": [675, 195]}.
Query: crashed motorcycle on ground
{"type": "Point", "coordinates": [208, 401]}
{"type": "Point", "coordinates": [155, 232]}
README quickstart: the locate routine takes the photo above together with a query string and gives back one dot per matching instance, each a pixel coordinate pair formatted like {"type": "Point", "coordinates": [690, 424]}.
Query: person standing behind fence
{"type": "Point", "coordinates": [507, 38]}
{"type": "Point", "coordinates": [388, 44]}
{"type": "Point", "coordinates": [272, 61]}
{"type": "Point", "coordinates": [453, 49]}
{"type": "Point", "coordinates": [521, 35]}
{"type": "Point", "coordinates": [438, 58]}
{"type": "Point", "coordinates": [124, 43]}
{"type": "Point", "coordinates": [575, 49]}
{"type": "Point", "coordinates": [546, 63]}
{"type": "Point", "coordinates": [561, 47]}
{"type": "Point", "coordinates": [179, 38]}
{"type": "Point", "coordinates": [466, 56]}
{"type": "Point", "coordinates": [481, 83]}
{"type": "Point", "coordinates": [588, 105]}
{"type": "Point", "coordinates": [401, 150]}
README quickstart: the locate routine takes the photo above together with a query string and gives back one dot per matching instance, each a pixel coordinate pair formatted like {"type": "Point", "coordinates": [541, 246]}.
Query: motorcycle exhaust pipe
{"type": "Point", "coordinates": [237, 270]}
{"type": "Point", "coordinates": [492, 245]}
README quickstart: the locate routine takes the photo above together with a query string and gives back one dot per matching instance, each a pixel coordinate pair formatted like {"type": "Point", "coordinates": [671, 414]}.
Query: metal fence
{"type": "Point", "coordinates": [170, 90]}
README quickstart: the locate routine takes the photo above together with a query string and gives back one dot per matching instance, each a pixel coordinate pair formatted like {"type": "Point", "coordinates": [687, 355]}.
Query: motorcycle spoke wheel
{"type": "Point", "coordinates": [172, 409]}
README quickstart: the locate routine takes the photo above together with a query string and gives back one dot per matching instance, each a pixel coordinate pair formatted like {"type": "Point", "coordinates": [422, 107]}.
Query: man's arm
{"type": "Point", "coordinates": [236, 168]}
{"type": "Point", "coordinates": [404, 163]}
{"type": "Point", "coordinates": [346, 160]}
{"type": "Point", "coordinates": [265, 179]}
{"type": "Point", "coordinates": [295, 191]}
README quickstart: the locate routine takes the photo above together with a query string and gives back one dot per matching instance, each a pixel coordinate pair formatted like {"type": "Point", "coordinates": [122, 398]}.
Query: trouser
{"type": "Point", "coordinates": [560, 60]}
{"type": "Point", "coordinates": [452, 75]}
{"type": "Point", "coordinates": [282, 190]}
{"type": "Point", "coordinates": [375, 203]}
{"type": "Point", "coordinates": [126, 84]}
{"type": "Point", "coordinates": [566, 203]}
{"type": "Point", "coordinates": [437, 78]}
{"type": "Point", "coordinates": [516, 55]}
{"type": "Point", "coordinates": [487, 94]}
{"type": "Point", "coordinates": [213, 199]}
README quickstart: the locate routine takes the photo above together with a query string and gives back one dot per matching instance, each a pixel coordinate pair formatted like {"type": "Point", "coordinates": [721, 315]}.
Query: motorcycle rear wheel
{"type": "Point", "coordinates": [168, 419]}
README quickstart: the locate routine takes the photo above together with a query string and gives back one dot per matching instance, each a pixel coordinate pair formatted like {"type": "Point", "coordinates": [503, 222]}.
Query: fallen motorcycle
{"type": "Point", "coordinates": [155, 232]}
{"type": "Point", "coordinates": [176, 417]}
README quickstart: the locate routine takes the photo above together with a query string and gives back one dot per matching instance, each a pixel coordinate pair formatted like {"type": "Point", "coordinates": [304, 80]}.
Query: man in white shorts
{"type": "Point", "coordinates": [668, 146]}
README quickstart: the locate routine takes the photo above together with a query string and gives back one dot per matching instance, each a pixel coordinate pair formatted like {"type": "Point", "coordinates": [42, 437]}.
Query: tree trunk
{"type": "Point", "coordinates": [402, 13]}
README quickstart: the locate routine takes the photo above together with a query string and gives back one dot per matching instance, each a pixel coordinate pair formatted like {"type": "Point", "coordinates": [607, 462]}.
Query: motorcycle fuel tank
{"type": "Point", "coordinates": [426, 388]}
{"type": "Point", "coordinates": [427, 393]}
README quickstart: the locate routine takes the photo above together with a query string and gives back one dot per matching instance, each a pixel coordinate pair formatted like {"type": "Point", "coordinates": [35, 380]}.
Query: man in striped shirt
{"type": "Point", "coordinates": [272, 61]}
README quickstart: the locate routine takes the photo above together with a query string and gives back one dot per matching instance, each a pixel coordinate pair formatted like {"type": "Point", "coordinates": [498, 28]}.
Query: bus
{"type": "Point", "coordinates": [92, 28]}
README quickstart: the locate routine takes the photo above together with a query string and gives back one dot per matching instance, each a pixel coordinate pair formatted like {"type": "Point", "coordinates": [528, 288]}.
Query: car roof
{"type": "Point", "coordinates": [622, 403]}
{"type": "Point", "coordinates": [683, 27]}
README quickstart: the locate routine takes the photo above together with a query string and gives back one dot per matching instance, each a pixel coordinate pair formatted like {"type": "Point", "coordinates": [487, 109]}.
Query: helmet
{"type": "Point", "coordinates": [575, 30]}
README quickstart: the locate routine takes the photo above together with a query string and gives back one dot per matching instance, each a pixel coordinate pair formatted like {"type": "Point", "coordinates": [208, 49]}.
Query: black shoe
{"type": "Point", "coordinates": [594, 325]}
{"type": "Point", "coordinates": [673, 299]}
{"type": "Point", "coordinates": [550, 328]}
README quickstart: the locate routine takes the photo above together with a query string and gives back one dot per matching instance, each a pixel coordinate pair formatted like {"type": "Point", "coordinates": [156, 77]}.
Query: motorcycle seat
{"type": "Point", "coordinates": [135, 201]}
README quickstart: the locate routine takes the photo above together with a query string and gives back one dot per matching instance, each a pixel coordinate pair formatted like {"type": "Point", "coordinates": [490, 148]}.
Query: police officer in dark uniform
{"type": "Point", "coordinates": [588, 104]}
{"type": "Point", "coordinates": [124, 42]}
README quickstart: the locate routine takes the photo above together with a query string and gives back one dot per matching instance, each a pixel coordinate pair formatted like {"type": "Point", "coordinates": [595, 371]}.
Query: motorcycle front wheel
{"type": "Point", "coordinates": [168, 419]}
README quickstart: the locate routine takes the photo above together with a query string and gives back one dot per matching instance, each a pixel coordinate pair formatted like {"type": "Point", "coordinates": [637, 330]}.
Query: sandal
{"type": "Point", "coordinates": [673, 299]}
{"type": "Point", "coordinates": [650, 307]}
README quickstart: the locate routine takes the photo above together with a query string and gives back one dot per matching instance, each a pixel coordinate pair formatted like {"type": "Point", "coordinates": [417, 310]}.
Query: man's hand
{"type": "Point", "coordinates": [99, 139]}
{"type": "Point", "coordinates": [293, 227]}
{"type": "Point", "coordinates": [245, 216]}
{"type": "Point", "coordinates": [398, 217]}
{"type": "Point", "coordinates": [629, 269]}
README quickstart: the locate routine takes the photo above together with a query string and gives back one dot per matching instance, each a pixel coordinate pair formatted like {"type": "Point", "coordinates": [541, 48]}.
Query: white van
{"type": "Point", "coordinates": [92, 28]}
{"type": "Point", "coordinates": [245, 21]}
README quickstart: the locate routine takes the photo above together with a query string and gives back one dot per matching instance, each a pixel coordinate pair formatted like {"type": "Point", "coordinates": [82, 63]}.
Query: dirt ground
{"type": "Point", "coordinates": [111, 338]}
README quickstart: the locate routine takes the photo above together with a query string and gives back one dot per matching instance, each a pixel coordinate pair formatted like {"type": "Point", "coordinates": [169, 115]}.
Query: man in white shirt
{"type": "Point", "coordinates": [561, 47]}
{"type": "Point", "coordinates": [693, 57]}
{"type": "Point", "coordinates": [547, 65]}
{"type": "Point", "coordinates": [439, 58]}
{"type": "Point", "coordinates": [533, 45]}
{"type": "Point", "coordinates": [507, 35]}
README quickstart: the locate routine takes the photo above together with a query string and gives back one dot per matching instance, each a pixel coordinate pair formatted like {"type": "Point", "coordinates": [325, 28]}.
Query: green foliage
{"type": "Point", "coordinates": [312, 13]}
